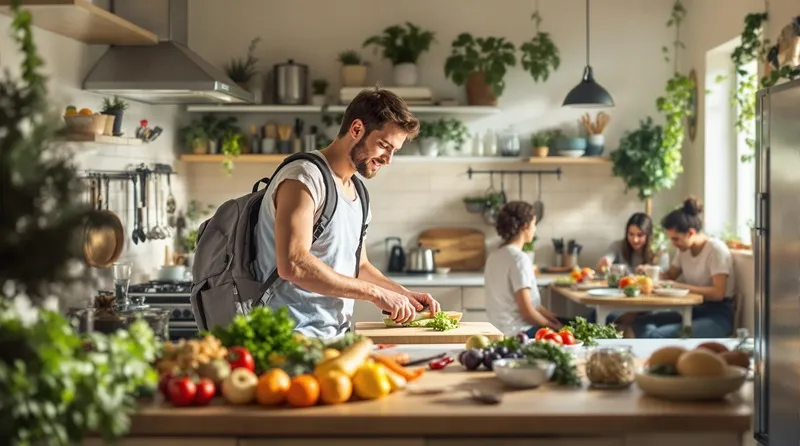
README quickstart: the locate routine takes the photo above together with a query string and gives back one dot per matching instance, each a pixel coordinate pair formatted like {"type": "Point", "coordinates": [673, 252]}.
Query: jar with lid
{"type": "Point", "coordinates": [509, 143]}
{"type": "Point", "coordinates": [611, 366]}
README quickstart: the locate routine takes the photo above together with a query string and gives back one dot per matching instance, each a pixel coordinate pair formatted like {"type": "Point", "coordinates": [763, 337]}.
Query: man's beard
{"type": "Point", "coordinates": [358, 155]}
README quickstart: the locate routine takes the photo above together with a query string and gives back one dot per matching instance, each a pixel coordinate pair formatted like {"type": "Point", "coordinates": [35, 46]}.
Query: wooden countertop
{"type": "Point", "coordinates": [549, 410]}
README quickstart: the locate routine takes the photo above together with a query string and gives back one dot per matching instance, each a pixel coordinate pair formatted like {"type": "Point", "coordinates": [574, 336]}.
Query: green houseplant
{"type": "Point", "coordinates": [57, 386]}
{"type": "Point", "coordinates": [540, 55]}
{"type": "Point", "coordinates": [543, 140]}
{"type": "Point", "coordinates": [403, 46]}
{"type": "Point", "coordinates": [242, 71]}
{"type": "Point", "coordinates": [196, 137]}
{"type": "Point", "coordinates": [319, 87]}
{"type": "Point", "coordinates": [430, 136]}
{"type": "Point", "coordinates": [232, 142]}
{"type": "Point", "coordinates": [354, 69]}
{"type": "Point", "coordinates": [480, 63]}
{"type": "Point", "coordinates": [115, 107]}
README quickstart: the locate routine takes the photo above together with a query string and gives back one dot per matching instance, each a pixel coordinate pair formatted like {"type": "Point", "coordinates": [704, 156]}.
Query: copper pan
{"type": "Point", "coordinates": [103, 234]}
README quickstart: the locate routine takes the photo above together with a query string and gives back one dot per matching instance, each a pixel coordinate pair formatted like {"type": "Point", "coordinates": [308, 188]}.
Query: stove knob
{"type": "Point", "coordinates": [187, 314]}
{"type": "Point", "coordinates": [176, 314]}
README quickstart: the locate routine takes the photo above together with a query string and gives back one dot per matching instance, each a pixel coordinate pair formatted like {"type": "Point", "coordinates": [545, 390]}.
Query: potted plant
{"type": "Point", "coordinates": [645, 163]}
{"type": "Point", "coordinates": [354, 70]}
{"type": "Point", "coordinates": [194, 213]}
{"type": "Point", "coordinates": [319, 87]}
{"type": "Point", "coordinates": [195, 136]}
{"type": "Point", "coordinates": [542, 141]}
{"type": "Point", "coordinates": [475, 205]}
{"type": "Point", "coordinates": [241, 71]}
{"type": "Point", "coordinates": [540, 54]}
{"type": "Point", "coordinates": [403, 46]}
{"type": "Point", "coordinates": [231, 148]}
{"type": "Point", "coordinates": [332, 122]}
{"type": "Point", "coordinates": [58, 386]}
{"type": "Point", "coordinates": [480, 63]}
{"type": "Point", "coordinates": [430, 137]}
{"type": "Point", "coordinates": [114, 107]}
{"type": "Point", "coordinates": [453, 135]}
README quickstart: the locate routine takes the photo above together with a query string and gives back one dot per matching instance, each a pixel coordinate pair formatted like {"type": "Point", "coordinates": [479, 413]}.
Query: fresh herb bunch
{"type": "Point", "coordinates": [242, 70]}
{"type": "Point", "coordinates": [588, 332]}
{"type": "Point", "coordinates": [440, 322]}
{"type": "Point", "coordinates": [565, 374]}
{"type": "Point", "coordinates": [491, 56]}
{"type": "Point", "coordinates": [545, 138]}
{"type": "Point", "coordinates": [402, 45]}
{"type": "Point", "coordinates": [540, 55]}
{"type": "Point", "coordinates": [264, 332]}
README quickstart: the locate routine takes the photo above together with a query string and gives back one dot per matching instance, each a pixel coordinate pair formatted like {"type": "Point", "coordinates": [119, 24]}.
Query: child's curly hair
{"type": "Point", "coordinates": [512, 217]}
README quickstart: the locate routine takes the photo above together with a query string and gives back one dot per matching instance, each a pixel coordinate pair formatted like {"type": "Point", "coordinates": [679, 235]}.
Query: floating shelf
{"type": "Point", "coordinates": [554, 160]}
{"type": "Point", "coordinates": [83, 21]}
{"type": "Point", "coordinates": [103, 139]}
{"type": "Point", "coordinates": [289, 109]}
{"type": "Point", "coordinates": [246, 158]}
{"type": "Point", "coordinates": [276, 158]}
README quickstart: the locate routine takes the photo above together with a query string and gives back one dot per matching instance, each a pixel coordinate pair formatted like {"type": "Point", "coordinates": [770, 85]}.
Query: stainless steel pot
{"type": "Point", "coordinates": [291, 83]}
{"type": "Point", "coordinates": [420, 260]}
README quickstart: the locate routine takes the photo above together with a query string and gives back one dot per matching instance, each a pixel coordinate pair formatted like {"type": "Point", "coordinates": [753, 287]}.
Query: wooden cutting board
{"type": "Point", "coordinates": [461, 249]}
{"type": "Point", "coordinates": [381, 334]}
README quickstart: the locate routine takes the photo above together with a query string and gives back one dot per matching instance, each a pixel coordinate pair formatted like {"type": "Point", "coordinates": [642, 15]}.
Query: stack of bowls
{"type": "Point", "coordinates": [571, 147]}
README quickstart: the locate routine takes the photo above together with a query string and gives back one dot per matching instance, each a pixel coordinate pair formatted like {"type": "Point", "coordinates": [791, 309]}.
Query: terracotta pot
{"type": "Point", "coordinates": [478, 92]}
{"type": "Point", "coordinates": [541, 152]}
{"type": "Point", "coordinates": [200, 147]}
{"type": "Point", "coordinates": [354, 75]}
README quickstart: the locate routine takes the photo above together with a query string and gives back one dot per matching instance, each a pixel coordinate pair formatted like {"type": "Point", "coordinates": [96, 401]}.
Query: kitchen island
{"type": "Point", "coordinates": [552, 415]}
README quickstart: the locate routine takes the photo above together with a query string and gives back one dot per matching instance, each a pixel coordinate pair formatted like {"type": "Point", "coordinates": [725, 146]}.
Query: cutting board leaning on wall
{"type": "Point", "coordinates": [460, 249]}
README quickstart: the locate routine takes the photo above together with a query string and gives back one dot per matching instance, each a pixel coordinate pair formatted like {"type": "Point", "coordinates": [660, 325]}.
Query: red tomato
{"type": "Point", "coordinates": [553, 337]}
{"type": "Point", "coordinates": [567, 338]}
{"type": "Point", "coordinates": [163, 383]}
{"type": "Point", "coordinates": [241, 357]}
{"type": "Point", "coordinates": [625, 281]}
{"type": "Point", "coordinates": [181, 391]}
{"type": "Point", "coordinates": [542, 332]}
{"type": "Point", "coordinates": [205, 392]}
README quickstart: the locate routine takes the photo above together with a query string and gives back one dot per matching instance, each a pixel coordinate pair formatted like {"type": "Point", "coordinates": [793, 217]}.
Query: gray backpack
{"type": "Point", "coordinates": [224, 284]}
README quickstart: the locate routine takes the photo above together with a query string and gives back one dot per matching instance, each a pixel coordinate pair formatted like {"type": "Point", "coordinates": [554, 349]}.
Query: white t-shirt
{"type": "Point", "coordinates": [713, 259]}
{"type": "Point", "coordinates": [507, 271]}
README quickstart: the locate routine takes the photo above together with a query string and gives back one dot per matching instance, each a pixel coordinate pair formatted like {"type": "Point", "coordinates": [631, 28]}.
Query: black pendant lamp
{"type": "Point", "coordinates": [588, 94]}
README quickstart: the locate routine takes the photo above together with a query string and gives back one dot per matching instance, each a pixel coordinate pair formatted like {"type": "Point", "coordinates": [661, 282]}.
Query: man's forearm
{"type": "Point", "coordinates": [316, 276]}
{"type": "Point", "coordinates": [371, 274]}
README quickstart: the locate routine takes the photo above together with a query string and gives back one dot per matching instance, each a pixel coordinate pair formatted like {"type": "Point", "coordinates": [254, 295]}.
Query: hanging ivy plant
{"type": "Point", "coordinates": [675, 101]}
{"type": "Point", "coordinates": [743, 97]}
{"type": "Point", "coordinates": [540, 55]}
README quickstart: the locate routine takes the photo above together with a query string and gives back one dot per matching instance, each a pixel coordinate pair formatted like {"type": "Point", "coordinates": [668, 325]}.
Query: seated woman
{"type": "Point", "coordinates": [706, 268]}
{"type": "Point", "coordinates": [635, 250]}
{"type": "Point", "coordinates": [513, 303]}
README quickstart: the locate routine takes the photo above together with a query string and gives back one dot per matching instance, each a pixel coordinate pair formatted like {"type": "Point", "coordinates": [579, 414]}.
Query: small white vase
{"type": "Point", "coordinates": [405, 74]}
{"type": "Point", "coordinates": [318, 100]}
{"type": "Point", "coordinates": [429, 147]}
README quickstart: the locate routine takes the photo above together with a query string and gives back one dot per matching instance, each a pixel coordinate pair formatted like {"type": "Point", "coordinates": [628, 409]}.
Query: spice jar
{"type": "Point", "coordinates": [610, 367]}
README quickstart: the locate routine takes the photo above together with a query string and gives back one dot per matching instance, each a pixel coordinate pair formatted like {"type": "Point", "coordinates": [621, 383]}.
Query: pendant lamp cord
{"type": "Point", "coordinates": [587, 33]}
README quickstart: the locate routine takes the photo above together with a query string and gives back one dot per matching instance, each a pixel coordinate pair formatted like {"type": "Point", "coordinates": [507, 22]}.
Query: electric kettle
{"type": "Point", "coordinates": [397, 256]}
{"type": "Point", "coordinates": [421, 261]}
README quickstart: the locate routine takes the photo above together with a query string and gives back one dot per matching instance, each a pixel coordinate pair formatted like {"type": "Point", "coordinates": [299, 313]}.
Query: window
{"type": "Point", "coordinates": [746, 170]}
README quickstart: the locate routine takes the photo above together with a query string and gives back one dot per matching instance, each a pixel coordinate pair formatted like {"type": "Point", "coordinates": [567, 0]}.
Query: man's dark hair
{"type": "Point", "coordinates": [377, 107]}
{"type": "Point", "coordinates": [513, 216]}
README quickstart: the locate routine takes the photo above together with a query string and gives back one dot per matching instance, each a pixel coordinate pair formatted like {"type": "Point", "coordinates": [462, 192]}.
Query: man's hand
{"type": "Point", "coordinates": [421, 300]}
{"type": "Point", "coordinates": [400, 308]}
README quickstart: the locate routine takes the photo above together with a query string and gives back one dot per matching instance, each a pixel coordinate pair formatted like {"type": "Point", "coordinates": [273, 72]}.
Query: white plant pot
{"type": "Point", "coordinates": [428, 147]}
{"type": "Point", "coordinates": [449, 148]}
{"type": "Point", "coordinates": [318, 99]}
{"type": "Point", "coordinates": [354, 75]}
{"type": "Point", "coordinates": [405, 74]}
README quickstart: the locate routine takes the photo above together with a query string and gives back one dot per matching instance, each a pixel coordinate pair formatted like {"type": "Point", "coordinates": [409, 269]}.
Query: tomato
{"type": "Point", "coordinates": [240, 357]}
{"type": "Point", "coordinates": [542, 332]}
{"type": "Point", "coordinates": [587, 273]}
{"type": "Point", "coordinates": [182, 391]}
{"type": "Point", "coordinates": [163, 382]}
{"type": "Point", "coordinates": [205, 392]}
{"type": "Point", "coordinates": [567, 338]}
{"type": "Point", "coordinates": [625, 281]}
{"type": "Point", "coordinates": [553, 337]}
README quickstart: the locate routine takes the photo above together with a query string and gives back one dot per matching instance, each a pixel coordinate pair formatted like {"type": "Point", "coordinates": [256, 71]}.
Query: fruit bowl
{"type": "Point", "coordinates": [523, 373]}
{"type": "Point", "coordinates": [686, 388]}
{"type": "Point", "coordinates": [79, 124]}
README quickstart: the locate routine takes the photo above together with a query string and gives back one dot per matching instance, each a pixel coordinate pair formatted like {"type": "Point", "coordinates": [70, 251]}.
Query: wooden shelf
{"type": "Point", "coordinates": [245, 158]}
{"type": "Point", "coordinates": [584, 160]}
{"type": "Point", "coordinates": [275, 158]}
{"type": "Point", "coordinates": [296, 109]}
{"type": "Point", "coordinates": [103, 139]}
{"type": "Point", "coordinates": [83, 21]}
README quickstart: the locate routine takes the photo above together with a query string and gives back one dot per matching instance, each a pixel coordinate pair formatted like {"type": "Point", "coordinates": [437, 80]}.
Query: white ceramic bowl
{"type": "Point", "coordinates": [172, 273]}
{"type": "Point", "coordinates": [572, 153]}
{"type": "Point", "coordinates": [523, 373]}
{"type": "Point", "coordinates": [683, 388]}
{"type": "Point", "coordinates": [670, 292]}
{"type": "Point", "coordinates": [442, 270]}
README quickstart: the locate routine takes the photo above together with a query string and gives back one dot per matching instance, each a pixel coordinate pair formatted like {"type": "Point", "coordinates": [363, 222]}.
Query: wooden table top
{"type": "Point", "coordinates": [645, 300]}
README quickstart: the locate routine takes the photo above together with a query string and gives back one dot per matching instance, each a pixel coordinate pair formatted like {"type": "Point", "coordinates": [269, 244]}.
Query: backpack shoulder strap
{"type": "Point", "coordinates": [328, 206]}
{"type": "Point", "coordinates": [363, 195]}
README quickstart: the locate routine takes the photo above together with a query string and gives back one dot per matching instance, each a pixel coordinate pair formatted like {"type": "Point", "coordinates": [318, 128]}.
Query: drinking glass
{"type": "Point", "coordinates": [653, 272]}
{"type": "Point", "coordinates": [616, 272]}
{"type": "Point", "coordinates": [122, 278]}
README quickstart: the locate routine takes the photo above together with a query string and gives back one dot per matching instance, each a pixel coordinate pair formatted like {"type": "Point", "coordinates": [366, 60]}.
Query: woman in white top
{"type": "Point", "coordinates": [705, 266]}
{"type": "Point", "coordinates": [513, 303]}
{"type": "Point", "coordinates": [636, 249]}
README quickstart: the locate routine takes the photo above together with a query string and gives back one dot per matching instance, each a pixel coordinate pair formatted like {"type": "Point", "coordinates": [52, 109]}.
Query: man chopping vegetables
{"type": "Point", "coordinates": [321, 273]}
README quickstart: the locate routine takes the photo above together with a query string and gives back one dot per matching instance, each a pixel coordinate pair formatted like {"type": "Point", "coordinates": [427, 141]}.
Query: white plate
{"type": "Point", "coordinates": [670, 292]}
{"type": "Point", "coordinates": [605, 292]}
{"type": "Point", "coordinates": [572, 153]}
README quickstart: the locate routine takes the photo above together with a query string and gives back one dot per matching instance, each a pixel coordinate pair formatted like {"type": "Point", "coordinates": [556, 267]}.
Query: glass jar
{"type": "Point", "coordinates": [615, 273]}
{"type": "Point", "coordinates": [509, 144]}
{"type": "Point", "coordinates": [610, 367]}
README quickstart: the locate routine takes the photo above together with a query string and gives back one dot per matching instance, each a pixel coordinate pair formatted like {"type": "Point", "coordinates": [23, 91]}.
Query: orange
{"type": "Point", "coordinates": [304, 391]}
{"type": "Point", "coordinates": [335, 387]}
{"type": "Point", "coordinates": [645, 284]}
{"type": "Point", "coordinates": [85, 111]}
{"type": "Point", "coordinates": [273, 387]}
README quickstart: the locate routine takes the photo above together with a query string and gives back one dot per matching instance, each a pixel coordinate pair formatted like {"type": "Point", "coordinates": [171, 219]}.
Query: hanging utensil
{"type": "Point", "coordinates": [140, 231]}
{"type": "Point", "coordinates": [135, 232]}
{"type": "Point", "coordinates": [520, 185]}
{"type": "Point", "coordinates": [171, 206]}
{"type": "Point", "coordinates": [538, 205]}
{"type": "Point", "coordinates": [503, 198]}
{"type": "Point", "coordinates": [103, 232]}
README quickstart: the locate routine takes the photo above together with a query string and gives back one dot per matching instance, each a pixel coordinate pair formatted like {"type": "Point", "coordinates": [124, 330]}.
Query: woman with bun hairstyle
{"type": "Point", "coordinates": [513, 303]}
{"type": "Point", "coordinates": [635, 249]}
{"type": "Point", "coordinates": [702, 265]}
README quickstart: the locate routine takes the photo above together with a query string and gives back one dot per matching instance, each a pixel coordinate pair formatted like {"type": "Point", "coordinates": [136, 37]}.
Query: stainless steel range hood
{"type": "Point", "coordinates": [166, 73]}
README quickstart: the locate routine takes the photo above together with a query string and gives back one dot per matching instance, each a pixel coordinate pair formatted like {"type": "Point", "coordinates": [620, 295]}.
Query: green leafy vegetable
{"type": "Point", "coordinates": [440, 322]}
{"type": "Point", "coordinates": [566, 373]}
{"type": "Point", "coordinates": [587, 332]}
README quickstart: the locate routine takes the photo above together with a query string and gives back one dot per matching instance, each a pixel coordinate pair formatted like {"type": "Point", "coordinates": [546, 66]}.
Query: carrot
{"type": "Point", "coordinates": [394, 366]}
{"type": "Point", "coordinates": [418, 372]}
{"type": "Point", "coordinates": [400, 358]}
{"type": "Point", "coordinates": [385, 346]}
